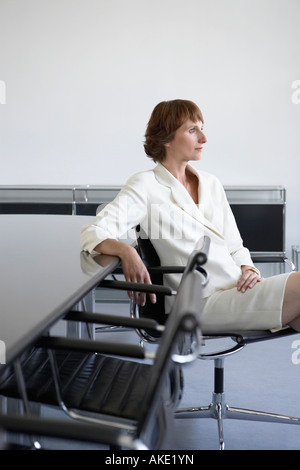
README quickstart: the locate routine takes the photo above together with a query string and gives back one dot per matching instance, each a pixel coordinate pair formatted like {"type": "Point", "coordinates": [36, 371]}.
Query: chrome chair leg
{"type": "Point", "coordinates": [219, 410]}
{"type": "Point", "coordinates": [216, 410]}
{"type": "Point", "coordinates": [255, 415]}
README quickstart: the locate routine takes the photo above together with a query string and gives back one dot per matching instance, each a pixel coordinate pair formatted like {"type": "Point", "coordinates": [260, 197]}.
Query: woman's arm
{"type": "Point", "coordinates": [133, 267]}
{"type": "Point", "coordinates": [241, 255]}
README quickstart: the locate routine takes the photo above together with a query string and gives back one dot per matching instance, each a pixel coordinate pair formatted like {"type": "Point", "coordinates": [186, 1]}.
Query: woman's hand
{"type": "Point", "coordinates": [248, 279]}
{"type": "Point", "coordinates": [133, 267]}
{"type": "Point", "coordinates": [135, 271]}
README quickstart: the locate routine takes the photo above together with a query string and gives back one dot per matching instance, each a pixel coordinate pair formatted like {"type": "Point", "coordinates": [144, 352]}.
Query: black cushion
{"type": "Point", "coordinates": [89, 382]}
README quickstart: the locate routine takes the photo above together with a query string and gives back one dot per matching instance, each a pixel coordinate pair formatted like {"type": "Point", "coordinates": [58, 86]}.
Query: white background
{"type": "Point", "coordinates": [82, 77]}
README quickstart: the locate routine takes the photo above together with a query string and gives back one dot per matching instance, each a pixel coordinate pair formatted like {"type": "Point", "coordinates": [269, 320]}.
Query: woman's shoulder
{"type": "Point", "coordinates": [209, 178]}
{"type": "Point", "coordinates": [140, 178]}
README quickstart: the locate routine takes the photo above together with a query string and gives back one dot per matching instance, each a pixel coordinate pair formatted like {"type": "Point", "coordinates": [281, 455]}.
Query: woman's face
{"type": "Point", "coordinates": [188, 142]}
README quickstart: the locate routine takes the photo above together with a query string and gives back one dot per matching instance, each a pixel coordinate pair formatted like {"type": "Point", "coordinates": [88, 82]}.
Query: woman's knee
{"type": "Point", "coordinates": [291, 301]}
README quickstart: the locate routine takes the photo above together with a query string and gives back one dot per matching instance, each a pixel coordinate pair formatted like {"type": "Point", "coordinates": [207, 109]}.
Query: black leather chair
{"type": "Point", "coordinates": [90, 383]}
{"type": "Point", "coordinates": [218, 408]}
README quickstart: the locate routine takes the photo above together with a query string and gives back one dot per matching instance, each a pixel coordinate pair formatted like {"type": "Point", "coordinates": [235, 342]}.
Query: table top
{"type": "Point", "coordinates": [43, 274]}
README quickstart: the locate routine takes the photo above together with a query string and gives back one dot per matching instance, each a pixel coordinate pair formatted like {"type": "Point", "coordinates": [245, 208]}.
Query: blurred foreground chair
{"type": "Point", "coordinates": [90, 383]}
{"type": "Point", "coordinates": [62, 430]}
{"type": "Point", "coordinates": [218, 408]}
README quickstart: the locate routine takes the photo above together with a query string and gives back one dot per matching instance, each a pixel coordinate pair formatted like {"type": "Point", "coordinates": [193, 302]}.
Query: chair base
{"type": "Point", "coordinates": [220, 410]}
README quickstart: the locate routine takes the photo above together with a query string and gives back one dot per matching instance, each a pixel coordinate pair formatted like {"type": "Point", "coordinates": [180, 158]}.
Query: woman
{"type": "Point", "coordinates": [176, 206]}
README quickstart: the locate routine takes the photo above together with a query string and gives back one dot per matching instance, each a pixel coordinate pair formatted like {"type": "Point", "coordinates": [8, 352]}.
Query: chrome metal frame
{"type": "Point", "coordinates": [296, 256]}
{"type": "Point", "coordinates": [23, 394]}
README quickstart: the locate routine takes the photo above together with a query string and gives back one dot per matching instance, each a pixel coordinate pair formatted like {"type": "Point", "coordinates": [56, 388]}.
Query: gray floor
{"type": "Point", "coordinates": [262, 377]}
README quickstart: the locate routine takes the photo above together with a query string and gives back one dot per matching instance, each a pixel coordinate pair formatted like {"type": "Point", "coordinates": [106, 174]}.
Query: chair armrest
{"type": "Point", "coordinates": [166, 269]}
{"type": "Point", "coordinates": [137, 286]}
{"type": "Point", "coordinates": [116, 320]}
{"type": "Point", "coordinates": [96, 433]}
{"type": "Point", "coordinates": [92, 346]}
{"type": "Point", "coordinates": [262, 335]}
{"type": "Point", "coordinates": [273, 259]}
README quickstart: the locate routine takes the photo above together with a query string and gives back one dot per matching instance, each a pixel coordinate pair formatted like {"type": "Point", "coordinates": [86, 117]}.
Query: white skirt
{"type": "Point", "coordinates": [258, 308]}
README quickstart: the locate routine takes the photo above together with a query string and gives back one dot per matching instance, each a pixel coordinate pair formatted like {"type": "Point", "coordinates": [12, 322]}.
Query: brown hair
{"type": "Point", "coordinates": [165, 119]}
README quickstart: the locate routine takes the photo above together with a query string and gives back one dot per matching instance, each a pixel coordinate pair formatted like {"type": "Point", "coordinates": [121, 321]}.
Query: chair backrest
{"type": "Point", "coordinates": [149, 256]}
{"type": "Point", "coordinates": [183, 327]}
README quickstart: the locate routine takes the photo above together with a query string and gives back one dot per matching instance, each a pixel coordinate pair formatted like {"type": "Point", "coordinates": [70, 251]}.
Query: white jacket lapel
{"type": "Point", "coordinates": [181, 196]}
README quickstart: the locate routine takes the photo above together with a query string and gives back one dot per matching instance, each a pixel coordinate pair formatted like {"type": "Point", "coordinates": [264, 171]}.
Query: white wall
{"type": "Point", "coordinates": [82, 77]}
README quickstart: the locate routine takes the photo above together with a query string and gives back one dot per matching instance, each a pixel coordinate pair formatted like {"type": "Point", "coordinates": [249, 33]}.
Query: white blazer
{"type": "Point", "coordinates": [167, 214]}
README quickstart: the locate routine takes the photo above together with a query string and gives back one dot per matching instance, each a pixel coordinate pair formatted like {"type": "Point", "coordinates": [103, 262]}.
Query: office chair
{"type": "Point", "coordinates": [218, 408]}
{"type": "Point", "coordinates": [90, 383]}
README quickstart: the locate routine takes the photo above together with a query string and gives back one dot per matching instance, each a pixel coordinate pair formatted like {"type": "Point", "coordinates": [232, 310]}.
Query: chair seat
{"type": "Point", "coordinates": [89, 382]}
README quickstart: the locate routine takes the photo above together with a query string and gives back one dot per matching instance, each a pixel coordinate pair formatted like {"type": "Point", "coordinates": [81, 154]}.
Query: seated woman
{"type": "Point", "coordinates": [176, 205]}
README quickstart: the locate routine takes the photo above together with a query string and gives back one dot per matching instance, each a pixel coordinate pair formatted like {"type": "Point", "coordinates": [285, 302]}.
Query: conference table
{"type": "Point", "coordinates": [43, 274]}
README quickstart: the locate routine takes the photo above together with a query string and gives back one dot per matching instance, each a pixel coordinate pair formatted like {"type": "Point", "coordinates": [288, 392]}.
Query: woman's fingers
{"type": "Point", "coordinates": [141, 278]}
{"type": "Point", "coordinates": [248, 280]}
{"type": "Point", "coordinates": [140, 297]}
